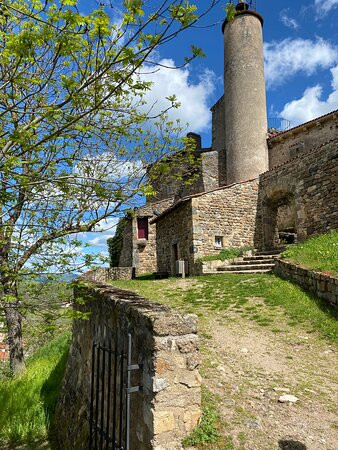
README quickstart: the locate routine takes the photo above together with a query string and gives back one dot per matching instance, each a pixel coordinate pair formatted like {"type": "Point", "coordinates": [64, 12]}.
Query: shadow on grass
{"type": "Point", "coordinates": [323, 305]}
{"type": "Point", "coordinates": [49, 395]}
{"type": "Point", "coordinates": [146, 276]}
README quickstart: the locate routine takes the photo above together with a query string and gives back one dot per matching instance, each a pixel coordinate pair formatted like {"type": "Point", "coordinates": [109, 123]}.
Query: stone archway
{"type": "Point", "coordinates": [279, 219]}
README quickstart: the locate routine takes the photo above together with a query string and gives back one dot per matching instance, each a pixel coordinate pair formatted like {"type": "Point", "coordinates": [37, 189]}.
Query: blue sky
{"type": "Point", "coordinates": [301, 52]}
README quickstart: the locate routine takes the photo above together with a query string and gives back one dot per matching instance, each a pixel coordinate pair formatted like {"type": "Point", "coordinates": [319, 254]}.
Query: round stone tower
{"type": "Point", "coordinates": [244, 96]}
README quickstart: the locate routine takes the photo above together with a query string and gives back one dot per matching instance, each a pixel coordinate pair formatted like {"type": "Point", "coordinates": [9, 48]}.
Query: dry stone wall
{"type": "Point", "coordinates": [164, 341]}
{"type": "Point", "coordinates": [322, 285]}
{"type": "Point", "coordinates": [104, 274]}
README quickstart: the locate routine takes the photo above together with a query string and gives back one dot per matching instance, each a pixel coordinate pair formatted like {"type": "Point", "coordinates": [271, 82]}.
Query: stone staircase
{"type": "Point", "coordinates": [260, 262]}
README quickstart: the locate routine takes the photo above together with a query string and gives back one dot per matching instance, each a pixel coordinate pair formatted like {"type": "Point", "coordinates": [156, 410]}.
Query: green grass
{"type": "Point", "coordinates": [276, 301]}
{"type": "Point", "coordinates": [28, 401]}
{"type": "Point", "coordinates": [226, 253]}
{"type": "Point", "coordinates": [206, 431]}
{"type": "Point", "coordinates": [319, 253]}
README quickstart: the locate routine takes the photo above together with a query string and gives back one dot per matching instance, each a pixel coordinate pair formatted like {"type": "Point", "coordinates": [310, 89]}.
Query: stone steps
{"type": "Point", "coordinates": [260, 258]}
{"type": "Point", "coordinates": [275, 251]}
{"type": "Point", "coordinates": [260, 262]}
{"type": "Point", "coordinates": [244, 268]}
{"type": "Point", "coordinates": [257, 261]}
{"type": "Point", "coordinates": [239, 271]}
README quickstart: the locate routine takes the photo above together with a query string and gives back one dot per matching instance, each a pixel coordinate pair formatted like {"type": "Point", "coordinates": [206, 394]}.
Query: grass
{"type": "Point", "coordinates": [226, 253]}
{"type": "Point", "coordinates": [262, 298]}
{"type": "Point", "coordinates": [319, 253]}
{"type": "Point", "coordinates": [207, 430]}
{"type": "Point", "coordinates": [28, 401]}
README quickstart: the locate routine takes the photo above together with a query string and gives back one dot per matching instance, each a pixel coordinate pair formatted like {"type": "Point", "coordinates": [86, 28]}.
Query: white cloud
{"type": "Point", "coordinates": [324, 6]}
{"type": "Point", "coordinates": [104, 230]}
{"type": "Point", "coordinates": [168, 81]}
{"type": "Point", "coordinates": [291, 56]}
{"type": "Point", "coordinates": [288, 21]}
{"type": "Point", "coordinates": [311, 105]}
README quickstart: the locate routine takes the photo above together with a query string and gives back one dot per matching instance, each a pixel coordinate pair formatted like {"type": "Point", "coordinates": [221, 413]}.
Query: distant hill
{"type": "Point", "coordinates": [63, 277]}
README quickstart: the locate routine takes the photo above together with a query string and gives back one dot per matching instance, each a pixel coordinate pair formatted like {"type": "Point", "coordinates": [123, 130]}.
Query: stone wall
{"type": "Point", "coordinates": [104, 274]}
{"type": "Point", "coordinates": [174, 229]}
{"type": "Point", "coordinates": [126, 255]}
{"type": "Point", "coordinates": [229, 213]}
{"type": "Point", "coordinates": [141, 253]}
{"type": "Point", "coordinates": [193, 224]}
{"type": "Point", "coordinates": [311, 182]}
{"type": "Point", "coordinates": [322, 285]}
{"type": "Point", "coordinates": [302, 139]}
{"type": "Point", "coordinates": [165, 341]}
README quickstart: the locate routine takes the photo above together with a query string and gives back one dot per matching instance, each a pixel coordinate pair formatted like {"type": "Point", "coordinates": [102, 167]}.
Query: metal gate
{"type": "Point", "coordinates": [110, 392]}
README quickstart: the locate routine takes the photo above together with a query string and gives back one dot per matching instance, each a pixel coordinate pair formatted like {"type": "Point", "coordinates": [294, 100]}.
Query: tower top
{"type": "Point", "coordinates": [244, 8]}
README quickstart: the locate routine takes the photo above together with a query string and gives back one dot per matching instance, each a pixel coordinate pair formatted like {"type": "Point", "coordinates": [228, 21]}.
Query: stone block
{"type": "Point", "coordinates": [164, 421]}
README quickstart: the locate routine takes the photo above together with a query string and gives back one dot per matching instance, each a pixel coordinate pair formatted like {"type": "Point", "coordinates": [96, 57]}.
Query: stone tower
{"type": "Point", "coordinates": [245, 100]}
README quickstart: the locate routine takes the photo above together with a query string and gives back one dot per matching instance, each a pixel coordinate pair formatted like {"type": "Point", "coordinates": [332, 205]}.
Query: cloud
{"type": "Point", "coordinates": [311, 105]}
{"type": "Point", "coordinates": [193, 97]}
{"type": "Point", "coordinates": [324, 7]}
{"type": "Point", "coordinates": [286, 58]}
{"type": "Point", "coordinates": [104, 230]}
{"type": "Point", "coordinates": [288, 21]}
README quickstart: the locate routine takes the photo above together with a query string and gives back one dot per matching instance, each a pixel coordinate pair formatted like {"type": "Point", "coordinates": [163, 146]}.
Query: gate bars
{"type": "Point", "coordinates": [111, 389]}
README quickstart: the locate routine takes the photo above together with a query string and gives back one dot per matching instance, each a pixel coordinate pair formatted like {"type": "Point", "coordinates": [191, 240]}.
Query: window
{"type": "Point", "coordinates": [142, 227]}
{"type": "Point", "coordinates": [218, 241]}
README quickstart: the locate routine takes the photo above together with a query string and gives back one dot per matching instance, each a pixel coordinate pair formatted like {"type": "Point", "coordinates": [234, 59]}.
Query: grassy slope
{"type": "Point", "coordinates": [28, 402]}
{"type": "Point", "coordinates": [319, 253]}
{"type": "Point", "coordinates": [218, 294]}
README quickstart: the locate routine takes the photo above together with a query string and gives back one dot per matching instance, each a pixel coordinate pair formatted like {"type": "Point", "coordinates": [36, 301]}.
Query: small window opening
{"type": "Point", "coordinates": [142, 228]}
{"type": "Point", "coordinates": [218, 241]}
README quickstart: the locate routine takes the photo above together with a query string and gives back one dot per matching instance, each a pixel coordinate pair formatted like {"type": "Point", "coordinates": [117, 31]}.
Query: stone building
{"type": "Point", "coordinates": [251, 184]}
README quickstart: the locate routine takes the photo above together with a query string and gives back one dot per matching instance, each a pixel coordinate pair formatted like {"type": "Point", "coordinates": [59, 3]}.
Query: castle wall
{"type": "Point", "coordinates": [175, 228]}
{"type": "Point", "coordinates": [311, 180]}
{"type": "Point", "coordinates": [205, 177]}
{"type": "Point", "coordinates": [302, 139]}
{"type": "Point", "coordinates": [141, 253]}
{"type": "Point", "coordinates": [126, 255]}
{"type": "Point", "coordinates": [229, 213]}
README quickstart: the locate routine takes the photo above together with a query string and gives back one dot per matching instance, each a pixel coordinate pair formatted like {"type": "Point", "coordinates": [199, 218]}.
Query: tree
{"type": "Point", "coordinates": [76, 134]}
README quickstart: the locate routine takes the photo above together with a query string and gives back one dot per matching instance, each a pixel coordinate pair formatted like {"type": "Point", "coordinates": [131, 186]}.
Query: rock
{"type": "Point", "coordinates": [244, 350]}
{"type": "Point", "coordinates": [288, 398]}
{"type": "Point", "coordinates": [164, 421]}
{"type": "Point", "coordinates": [253, 423]}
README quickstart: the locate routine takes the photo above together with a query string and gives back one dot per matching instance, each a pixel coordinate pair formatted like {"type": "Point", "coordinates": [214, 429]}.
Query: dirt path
{"type": "Point", "coordinates": [249, 367]}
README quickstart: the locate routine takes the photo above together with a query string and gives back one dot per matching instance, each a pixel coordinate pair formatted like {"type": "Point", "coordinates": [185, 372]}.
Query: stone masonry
{"type": "Point", "coordinates": [311, 182]}
{"type": "Point", "coordinates": [165, 341]}
{"type": "Point", "coordinates": [193, 224]}
{"type": "Point", "coordinates": [301, 139]}
{"type": "Point", "coordinates": [322, 285]}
